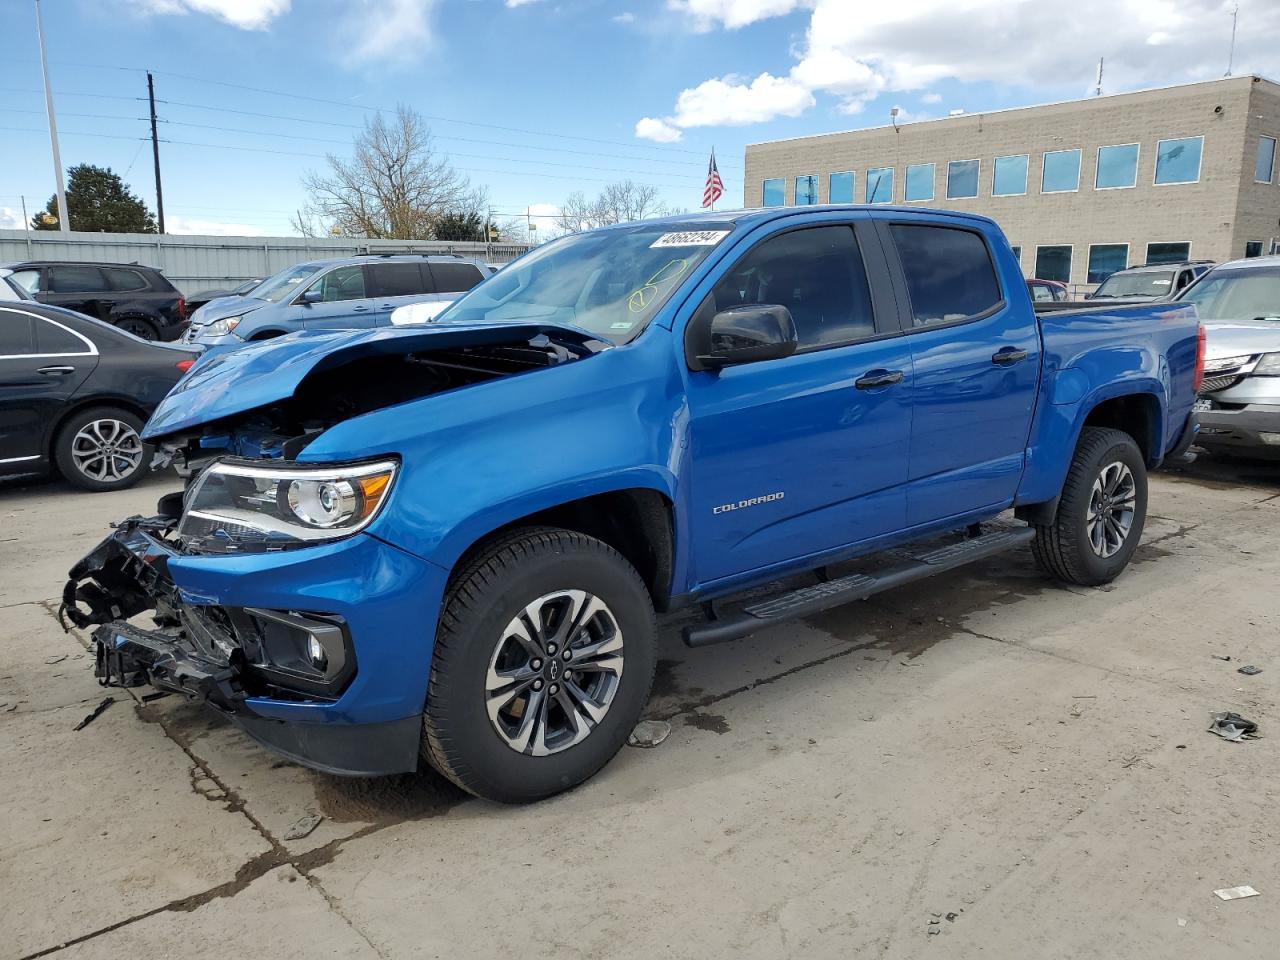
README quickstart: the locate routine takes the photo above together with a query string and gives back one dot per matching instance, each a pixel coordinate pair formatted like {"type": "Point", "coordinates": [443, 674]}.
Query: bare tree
{"type": "Point", "coordinates": [396, 185]}
{"type": "Point", "coordinates": [617, 203]}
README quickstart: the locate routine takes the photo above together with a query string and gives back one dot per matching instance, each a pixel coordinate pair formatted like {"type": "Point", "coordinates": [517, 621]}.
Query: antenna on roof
{"type": "Point", "coordinates": [1097, 90]}
{"type": "Point", "coordinates": [1231, 55]}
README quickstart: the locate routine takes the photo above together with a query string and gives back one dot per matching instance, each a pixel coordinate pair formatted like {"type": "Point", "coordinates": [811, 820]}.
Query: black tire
{"type": "Point", "coordinates": [140, 327]}
{"type": "Point", "coordinates": [1066, 548]}
{"type": "Point", "coordinates": [487, 593]}
{"type": "Point", "coordinates": [73, 455]}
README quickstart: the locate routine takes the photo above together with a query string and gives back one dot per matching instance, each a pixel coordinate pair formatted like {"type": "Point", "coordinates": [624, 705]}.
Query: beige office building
{"type": "Point", "coordinates": [1081, 188]}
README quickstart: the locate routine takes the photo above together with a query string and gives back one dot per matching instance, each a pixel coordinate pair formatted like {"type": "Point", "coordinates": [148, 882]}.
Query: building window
{"type": "Point", "coordinates": [1061, 172]}
{"type": "Point", "coordinates": [1053, 263]}
{"type": "Point", "coordinates": [775, 192]}
{"type": "Point", "coordinates": [1105, 259]}
{"type": "Point", "coordinates": [1168, 252]}
{"type": "Point", "coordinates": [1178, 161]}
{"type": "Point", "coordinates": [962, 179]}
{"type": "Point", "coordinates": [1117, 167]}
{"type": "Point", "coordinates": [840, 188]}
{"type": "Point", "coordinates": [1017, 253]}
{"type": "Point", "coordinates": [1252, 248]}
{"type": "Point", "coordinates": [806, 190]}
{"type": "Point", "coordinates": [1265, 166]}
{"type": "Point", "coordinates": [880, 185]}
{"type": "Point", "coordinates": [1009, 176]}
{"type": "Point", "coordinates": [920, 181]}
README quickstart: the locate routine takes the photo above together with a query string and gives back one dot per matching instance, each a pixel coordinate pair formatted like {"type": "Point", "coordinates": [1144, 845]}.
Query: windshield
{"type": "Point", "coordinates": [1145, 284]}
{"type": "Point", "coordinates": [277, 288]}
{"type": "Point", "coordinates": [1237, 295]}
{"type": "Point", "coordinates": [608, 282]}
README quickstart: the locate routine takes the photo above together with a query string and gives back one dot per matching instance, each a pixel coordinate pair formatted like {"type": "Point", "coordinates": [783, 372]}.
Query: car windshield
{"type": "Point", "coordinates": [608, 282]}
{"type": "Point", "coordinates": [1145, 284]}
{"type": "Point", "coordinates": [1237, 295]}
{"type": "Point", "coordinates": [274, 289]}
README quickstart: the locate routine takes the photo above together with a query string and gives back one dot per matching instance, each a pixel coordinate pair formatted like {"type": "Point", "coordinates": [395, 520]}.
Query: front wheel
{"type": "Point", "coordinates": [1101, 512]}
{"type": "Point", "coordinates": [543, 662]}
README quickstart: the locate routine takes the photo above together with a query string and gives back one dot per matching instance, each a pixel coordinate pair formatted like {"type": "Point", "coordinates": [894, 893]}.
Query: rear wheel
{"type": "Point", "coordinates": [101, 448]}
{"type": "Point", "coordinates": [1101, 513]}
{"type": "Point", "coordinates": [140, 327]}
{"type": "Point", "coordinates": [543, 663]}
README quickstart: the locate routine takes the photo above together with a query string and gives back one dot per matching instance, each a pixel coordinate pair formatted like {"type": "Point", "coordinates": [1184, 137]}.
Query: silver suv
{"type": "Point", "coordinates": [1239, 404]}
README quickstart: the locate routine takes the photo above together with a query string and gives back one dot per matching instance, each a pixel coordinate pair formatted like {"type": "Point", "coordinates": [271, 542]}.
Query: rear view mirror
{"type": "Point", "coordinates": [748, 334]}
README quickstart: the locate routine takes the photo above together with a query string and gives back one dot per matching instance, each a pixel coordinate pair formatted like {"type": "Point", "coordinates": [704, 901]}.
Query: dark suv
{"type": "Point", "coordinates": [134, 298]}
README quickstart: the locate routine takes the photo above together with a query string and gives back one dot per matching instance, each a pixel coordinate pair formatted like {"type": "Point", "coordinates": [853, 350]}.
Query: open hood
{"type": "Point", "coordinates": [263, 374]}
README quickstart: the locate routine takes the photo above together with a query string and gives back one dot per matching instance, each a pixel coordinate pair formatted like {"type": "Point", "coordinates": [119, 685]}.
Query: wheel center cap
{"type": "Point", "coordinates": [554, 669]}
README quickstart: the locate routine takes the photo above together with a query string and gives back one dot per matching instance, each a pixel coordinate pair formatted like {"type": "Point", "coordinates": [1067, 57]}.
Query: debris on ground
{"type": "Point", "coordinates": [302, 827]}
{"type": "Point", "coordinates": [1182, 921]}
{"type": "Point", "coordinates": [1216, 657]}
{"type": "Point", "coordinates": [1235, 893]}
{"type": "Point", "coordinates": [649, 733]}
{"type": "Point", "coordinates": [151, 697]}
{"type": "Point", "coordinates": [58, 659]}
{"type": "Point", "coordinates": [97, 712]}
{"type": "Point", "coordinates": [1249, 670]}
{"type": "Point", "coordinates": [1232, 726]}
{"type": "Point", "coordinates": [951, 917]}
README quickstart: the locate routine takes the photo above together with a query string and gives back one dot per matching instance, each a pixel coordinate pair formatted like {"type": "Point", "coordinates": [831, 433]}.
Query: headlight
{"type": "Point", "coordinates": [236, 506]}
{"type": "Point", "coordinates": [1268, 366]}
{"type": "Point", "coordinates": [220, 328]}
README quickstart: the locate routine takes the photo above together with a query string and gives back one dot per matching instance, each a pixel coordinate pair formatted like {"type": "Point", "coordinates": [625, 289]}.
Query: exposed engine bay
{"type": "Point", "coordinates": [330, 396]}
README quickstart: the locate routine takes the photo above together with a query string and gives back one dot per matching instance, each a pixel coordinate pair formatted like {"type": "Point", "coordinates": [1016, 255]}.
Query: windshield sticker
{"type": "Point", "coordinates": [690, 238]}
{"type": "Point", "coordinates": [622, 325]}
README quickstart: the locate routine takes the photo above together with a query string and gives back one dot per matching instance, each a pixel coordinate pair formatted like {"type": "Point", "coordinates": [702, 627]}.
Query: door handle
{"type": "Point", "coordinates": [1007, 356]}
{"type": "Point", "coordinates": [55, 371]}
{"type": "Point", "coordinates": [878, 378]}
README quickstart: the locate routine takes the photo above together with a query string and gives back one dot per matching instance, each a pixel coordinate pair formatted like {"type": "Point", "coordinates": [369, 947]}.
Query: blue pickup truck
{"type": "Point", "coordinates": [447, 544]}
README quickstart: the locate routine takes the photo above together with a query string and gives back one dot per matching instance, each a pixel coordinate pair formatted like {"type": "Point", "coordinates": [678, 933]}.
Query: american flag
{"type": "Point", "coordinates": [714, 189]}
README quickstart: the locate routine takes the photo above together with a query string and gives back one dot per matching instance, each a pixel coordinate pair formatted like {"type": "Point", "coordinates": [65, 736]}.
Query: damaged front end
{"type": "Point", "coordinates": [223, 655]}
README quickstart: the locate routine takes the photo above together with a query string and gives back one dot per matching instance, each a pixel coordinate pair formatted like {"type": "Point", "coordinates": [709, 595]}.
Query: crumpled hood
{"type": "Point", "coordinates": [1236, 338]}
{"type": "Point", "coordinates": [224, 307]}
{"type": "Point", "coordinates": [262, 374]}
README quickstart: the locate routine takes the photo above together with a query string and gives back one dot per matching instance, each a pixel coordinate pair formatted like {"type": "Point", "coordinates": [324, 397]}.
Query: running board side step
{"type": "Point", "coordinates": [856, 586]}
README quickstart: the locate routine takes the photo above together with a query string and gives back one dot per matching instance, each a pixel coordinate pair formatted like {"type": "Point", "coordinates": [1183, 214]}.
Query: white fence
{"type": "Point", "coordinates": [193, 262]}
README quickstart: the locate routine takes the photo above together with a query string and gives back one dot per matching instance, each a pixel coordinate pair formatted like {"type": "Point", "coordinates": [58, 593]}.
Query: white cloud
{"type": "Point", "coordinates": [11, 219]}
{"type": "Point", "coordinates": [931, 98]}
{"type": "Point", "coordinates": [626, 16]}
{"type": "Point", "coordinates": [246, 14]}
{"type": "Point", "coordinates": [390, 29]}
{"type": "Point", "coordinates": [651, 128]}
{"type": "Point", "coordinates": [855, 52]}
{"type": "Point", "coordinates": [215, 228]}
{"type": "Point", "coordinates": [520, 3]}
{"type": "Point", "coordinates": [732, 14]}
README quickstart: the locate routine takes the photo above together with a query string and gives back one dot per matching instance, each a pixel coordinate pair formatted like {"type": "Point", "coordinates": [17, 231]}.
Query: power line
{"type": "Point", "coordinates": [75, 133]}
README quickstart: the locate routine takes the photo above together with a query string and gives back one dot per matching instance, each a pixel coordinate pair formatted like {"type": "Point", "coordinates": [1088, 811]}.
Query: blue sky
{"type": "Point", "coordinates": [538, 98]}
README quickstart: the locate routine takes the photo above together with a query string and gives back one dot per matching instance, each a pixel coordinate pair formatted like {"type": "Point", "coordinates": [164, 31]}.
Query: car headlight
{"type": "Point", "coordinates": [220, 328]}
{"type": "Point", "coordinates": [236, 506]}
{"type": "Point", "coordinates": [1268, 366]}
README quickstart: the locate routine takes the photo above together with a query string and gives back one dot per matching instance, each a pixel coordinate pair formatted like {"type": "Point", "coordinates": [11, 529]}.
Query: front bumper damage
{"type": "Point", "coordinates": [284, 676]}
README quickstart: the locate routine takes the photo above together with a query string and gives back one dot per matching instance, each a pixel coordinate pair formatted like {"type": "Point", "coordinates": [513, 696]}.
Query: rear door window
{"type": "Point", "coordinates": [54, 339]}
{"type": "Point", "coordinates": [396, 280]}
{"type": "Point", "coordinates": [817, 274]}
{"type": "Point", "coordinates": [16, 334]}
{"type": "Point", "coordinates": [76, 279]}
{"type": "Point", "coordinates": [949, 273]}
{"type": "Point", "coordinates": [125, 280]}
{"type": "Point", "coordinates": [455, 277]}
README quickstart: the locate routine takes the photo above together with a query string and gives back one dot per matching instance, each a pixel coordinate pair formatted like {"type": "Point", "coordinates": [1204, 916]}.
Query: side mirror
{"type": "Point", "coordinates": [311, 296]}
{"type": "Point", "coordinates": [759, 331]}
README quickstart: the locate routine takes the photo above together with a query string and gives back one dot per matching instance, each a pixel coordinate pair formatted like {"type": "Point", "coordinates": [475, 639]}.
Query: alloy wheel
{"type": "Point", "coordinates": [106, 450]}
{"type": "Point", "coordinates": [1112, 503]}
{"type": "Point", "coordinates": [554, 672]}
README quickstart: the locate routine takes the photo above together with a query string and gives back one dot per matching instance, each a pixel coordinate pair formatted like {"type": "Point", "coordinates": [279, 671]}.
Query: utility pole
{"type": "Point", "coordinates": [64, 222]}
{"type": "Point", "coordinates": [155, 150]}
{"type": "Point", "coordinates": [1231, 55]}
